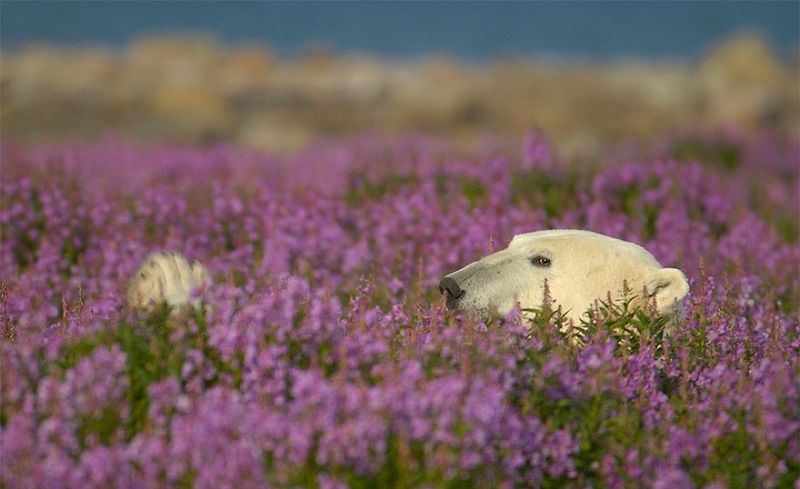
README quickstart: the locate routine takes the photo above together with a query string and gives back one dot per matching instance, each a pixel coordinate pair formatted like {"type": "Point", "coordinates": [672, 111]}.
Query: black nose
{"type": "Point", "coordinates": [452, 288]}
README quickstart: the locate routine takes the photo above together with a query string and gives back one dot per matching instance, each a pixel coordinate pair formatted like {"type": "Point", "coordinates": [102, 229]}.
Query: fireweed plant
{"type": "Point", "coordinates": [323, 355]}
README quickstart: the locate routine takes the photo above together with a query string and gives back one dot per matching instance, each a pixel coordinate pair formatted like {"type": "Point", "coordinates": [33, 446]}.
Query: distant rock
{"type": "Point", "coordinates": [744, 61]}
{"type": "Point", "coordinates": [743, 83]}
{"type": "Point", "coordinates": [195, 90]}
{"type": "Point", "coordinates": [193, 110]}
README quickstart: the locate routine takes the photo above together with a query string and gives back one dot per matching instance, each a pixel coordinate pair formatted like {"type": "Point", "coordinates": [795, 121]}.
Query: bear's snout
{"type": "Point", "coordinates": [454, 291]}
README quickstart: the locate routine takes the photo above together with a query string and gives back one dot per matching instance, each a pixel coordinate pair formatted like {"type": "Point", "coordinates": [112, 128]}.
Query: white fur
{"type": "Point", "coordinates": [165, 278]}
{"type": "Point", "coordinates": [584, 267]}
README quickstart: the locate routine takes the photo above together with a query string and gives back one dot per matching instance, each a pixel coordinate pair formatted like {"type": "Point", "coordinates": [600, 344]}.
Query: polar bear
{"type": "Point", "coordinates": [579, 268]}
{"type": "Point", "coordinates": [166, 277]}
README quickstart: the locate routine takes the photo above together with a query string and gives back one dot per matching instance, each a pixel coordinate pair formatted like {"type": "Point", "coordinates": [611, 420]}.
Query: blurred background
{"type": "Point", "coordinates": [277, 76]}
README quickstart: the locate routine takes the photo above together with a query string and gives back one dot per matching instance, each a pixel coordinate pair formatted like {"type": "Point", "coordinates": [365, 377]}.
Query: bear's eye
{"type": "Point", "coordinates": [540, 261]}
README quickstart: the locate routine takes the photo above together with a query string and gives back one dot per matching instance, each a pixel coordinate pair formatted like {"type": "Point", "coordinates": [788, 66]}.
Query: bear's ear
{"type": "Point", "coordinates": [669, 286]}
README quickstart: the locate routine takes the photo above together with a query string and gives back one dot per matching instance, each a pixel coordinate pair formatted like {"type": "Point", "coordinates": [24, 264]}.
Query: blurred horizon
{"type": "Point", "coordinates": [279, 76]}
{"type": "Point", "coordinates": [472, 31]}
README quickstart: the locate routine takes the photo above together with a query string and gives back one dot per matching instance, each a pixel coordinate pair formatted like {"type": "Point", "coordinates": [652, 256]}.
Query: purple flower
{"type": "Point", "coordinates": [667, 479]}
{"type": "Point", "coordinates": [325, 355]}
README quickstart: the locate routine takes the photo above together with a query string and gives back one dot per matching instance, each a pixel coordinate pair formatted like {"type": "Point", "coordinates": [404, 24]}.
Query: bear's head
{"type": "Point", "coordinates": [579, 268]}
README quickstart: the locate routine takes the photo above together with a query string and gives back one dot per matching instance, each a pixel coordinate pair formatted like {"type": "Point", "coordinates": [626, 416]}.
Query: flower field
{"type": "Point", "coordinates": [324, 356]}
